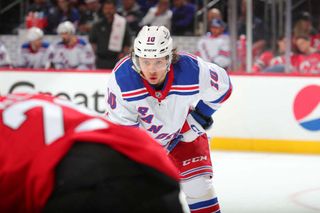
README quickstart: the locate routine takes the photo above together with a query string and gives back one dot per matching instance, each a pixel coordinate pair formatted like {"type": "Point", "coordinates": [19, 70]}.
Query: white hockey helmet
{"type": "Point", "coordinates": [34, 33]}
{"type": "Point", "coordinates": [66, 27]}
{"type": "Point", "coordinates": [153, 42]}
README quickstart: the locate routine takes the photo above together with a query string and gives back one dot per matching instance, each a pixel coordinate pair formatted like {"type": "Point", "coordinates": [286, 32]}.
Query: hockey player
{"type": "Point", "coordinates": [5, 60]}
{"type": "Point", "coordinates": [58, 157]}
{"type": "Point", "coordinates": [71, 52]}
{"type": "Point", "coordinates": [215, 46]}
{"type": "Point", "coordinates": [34, 52]}
{"type": "Point", "coordinates": [172, 96]}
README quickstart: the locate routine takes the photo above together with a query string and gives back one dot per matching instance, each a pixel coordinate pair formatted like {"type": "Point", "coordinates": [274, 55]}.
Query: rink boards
{"type": "Point", "coordinates": [265, 112]}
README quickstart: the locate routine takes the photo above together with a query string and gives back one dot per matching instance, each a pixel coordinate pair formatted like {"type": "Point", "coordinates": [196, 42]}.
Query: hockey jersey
{"type": "Point", "coordinates": [310, 63]}
{"type": "Point", "coordinates": [301, 63]}
{"type": "Point", "coordinates": [80, 56]}
{"type": "Point", "coordinates": [190, 82]}
{"type": "Point", "coordinates": [263, 61]}
{"type": "Point", "coordinates": [28, 58]}
{"type": "Point", "coordinates": [215, 49]}
{"type": "Point", "coordinates": [38, 130]}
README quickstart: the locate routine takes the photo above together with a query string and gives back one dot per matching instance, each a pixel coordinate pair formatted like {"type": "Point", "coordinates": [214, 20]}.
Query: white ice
{"type": "Point", "coordinates": [251, 182]}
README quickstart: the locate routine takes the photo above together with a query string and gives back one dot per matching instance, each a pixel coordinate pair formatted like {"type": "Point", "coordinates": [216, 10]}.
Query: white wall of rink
{"type": "Point", "coordinates": [261, 106]}
{"type": "Point", "coordinates": [264, 107]}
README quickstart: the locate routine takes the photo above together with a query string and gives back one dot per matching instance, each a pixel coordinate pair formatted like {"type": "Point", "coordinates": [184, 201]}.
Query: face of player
{"type": "Point", "coordinates": [36, 44]}
{"type": "Point", "coordinates": [66, 37]}
{"type": "Point", "coordinates": [154, 70]}
{"type": "Point", "coordinates": [216, 31]}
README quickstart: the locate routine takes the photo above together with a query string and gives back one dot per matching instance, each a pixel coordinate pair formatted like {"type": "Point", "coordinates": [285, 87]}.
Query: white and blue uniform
{"type": "Point", "coordinates": [80, 56]}
{"type": "Point", "coordinates": [28, 58]}
{"type": "Point", "coordinates": [190, 82]}
{"type": "Point", "coordinates": [215, 49]}
{"type": "Point", "coordinates": [4, 56]}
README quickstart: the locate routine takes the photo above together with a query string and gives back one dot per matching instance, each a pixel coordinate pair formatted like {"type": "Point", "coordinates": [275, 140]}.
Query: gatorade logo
{"type": "Point", "coordinates": [306, 108]}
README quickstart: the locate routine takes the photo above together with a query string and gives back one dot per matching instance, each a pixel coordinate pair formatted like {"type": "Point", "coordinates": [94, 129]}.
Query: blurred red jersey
{"type": "Point", "coordinates": [38, 130]}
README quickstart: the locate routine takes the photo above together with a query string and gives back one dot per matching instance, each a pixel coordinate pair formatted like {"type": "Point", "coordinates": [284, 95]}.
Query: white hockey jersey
{"type": "Point", "coordinates": [215, 49]}
{"type": "Point", "coordinates": [4, 56]}
{"type": "Point", "coordinates": [191, 81]}
{"type": "Point", "coordinates": [28, 58]}
{"type": "Point", "coordinates": [80, 56]}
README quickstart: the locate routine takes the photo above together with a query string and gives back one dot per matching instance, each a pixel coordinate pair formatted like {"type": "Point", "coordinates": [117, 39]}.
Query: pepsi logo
{"type": "Point", "coordinates": [306, 107]}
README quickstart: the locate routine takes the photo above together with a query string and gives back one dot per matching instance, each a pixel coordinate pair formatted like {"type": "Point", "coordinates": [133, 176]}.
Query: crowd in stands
{"type": "Point", "coordinates": [110, 26]}
{"type": "Point", "coordinates": [305, 50]}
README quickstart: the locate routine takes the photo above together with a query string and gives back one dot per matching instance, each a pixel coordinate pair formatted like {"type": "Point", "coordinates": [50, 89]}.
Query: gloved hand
{"type": "Point", "coordinates": [205, 121]}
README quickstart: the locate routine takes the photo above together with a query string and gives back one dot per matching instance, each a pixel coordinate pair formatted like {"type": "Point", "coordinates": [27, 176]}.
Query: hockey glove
{"type": "Point", "coordinates": [203, 120]}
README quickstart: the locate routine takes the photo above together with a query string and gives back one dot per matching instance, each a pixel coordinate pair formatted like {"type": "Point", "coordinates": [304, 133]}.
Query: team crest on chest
{"type": "Point", "coordinates": [158, 94]}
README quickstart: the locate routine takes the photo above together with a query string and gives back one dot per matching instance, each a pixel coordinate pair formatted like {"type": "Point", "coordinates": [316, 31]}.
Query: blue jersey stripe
{"type": "Point", "coordinates": [137, 98]}
{"type": "Point", "coordinates": [183, 93]}
{"type": "Point", "coordinates": [203, 204]}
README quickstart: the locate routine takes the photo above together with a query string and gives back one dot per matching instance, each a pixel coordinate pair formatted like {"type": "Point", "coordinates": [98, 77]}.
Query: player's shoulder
{"type": "Point", "coordinates": [59, 44]}
{"type": "Point", "coordinates": [186, 69]}
{"type": "Point", "coordinates": [82, 42]}
{"type": "Point", "coordinates": [45, 44]}
{"type": "Point", "coordinates": [187, 62]}
{"type": "Point", "coordinates": [125, 76]}
{"type": "Point", "coordinates": [25, 45]}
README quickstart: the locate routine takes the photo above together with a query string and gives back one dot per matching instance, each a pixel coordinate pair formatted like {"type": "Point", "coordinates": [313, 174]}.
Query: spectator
{"type": "Point", "coordinates": [277, 63]}
{"type": "Point", "coordinates": [60, 157]}
{"type": "Point", "coordinates": [38, 14]}
{"type": "Point", "coordinates": [62, 12]}
{"type": "Point", "coordinates": [160, 15]}
{"type": "Point", "coordinates": [131, 11]}
{"type": "Point", "coordinates": [89, 16]}
{"type": "Point", "coordinates": [269, 58]}
{"type": "Point", "coordinates": [110, 37]}
{"type": "Point", "coordinates": [145, 5]}
{"type": "Point", "coordinates": [309, 57]}
{"type": "Point", "coordinates": [40, 6]}
{"type": "Point", "coordinates": [71, 52]}
{"type": "Point", "coordinates": [304, 45]}
{"type": "Point", "coordinates": [182, 17]}
{"type": "Point", "coordinates": [5, 60]}
{"type": "Point", "coordinates": [213, 13]}
{"type": "Point", "coordinates": [303, 25]}
{"type": "Point", "coordinates": [215, 46]}
{"type": "Point", "coordinates": [34, 52]}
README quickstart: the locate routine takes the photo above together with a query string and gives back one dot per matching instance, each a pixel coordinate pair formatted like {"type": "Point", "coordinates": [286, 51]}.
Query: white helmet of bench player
{"type": "Point", "coordinates": [66, 27]}
{"type": "Point", "coordinates": [34, 33]}
{"type": "Point", "coordinates": [152, 42]}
